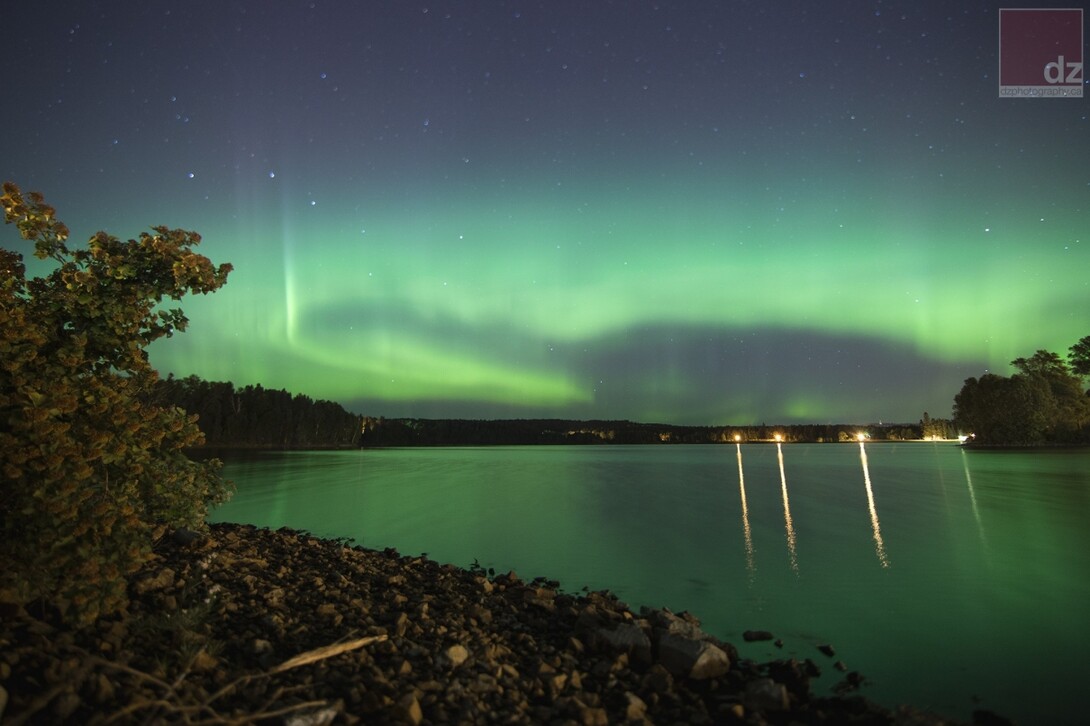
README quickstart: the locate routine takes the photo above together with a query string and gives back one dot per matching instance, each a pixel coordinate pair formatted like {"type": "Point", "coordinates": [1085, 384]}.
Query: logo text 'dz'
{"type": "Point", "coordinates": [1054, 71]}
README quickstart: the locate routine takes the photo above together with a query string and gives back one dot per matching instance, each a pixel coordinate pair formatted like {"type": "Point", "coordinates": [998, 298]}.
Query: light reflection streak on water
{"type": "Point", "coordinates": [788, 525]}
{"type": "Point", "coordinates": [972, 499]}
{"type": "Point", "coordinates": [750, 565]}
{"type": "Point", "coordinates": [879, 545]}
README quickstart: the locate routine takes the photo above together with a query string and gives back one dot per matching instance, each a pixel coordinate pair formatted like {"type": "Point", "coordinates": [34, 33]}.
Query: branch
{"type": "Point", "coordinates": [326, 651]}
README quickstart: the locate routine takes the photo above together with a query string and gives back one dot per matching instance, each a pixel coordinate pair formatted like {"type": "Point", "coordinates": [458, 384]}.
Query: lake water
{"type": "Point", "coordinates": [951, 579]}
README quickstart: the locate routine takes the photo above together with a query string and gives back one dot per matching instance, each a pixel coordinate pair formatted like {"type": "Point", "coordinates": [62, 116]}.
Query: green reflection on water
{"type": "Point", "coordinates": [971, 584]}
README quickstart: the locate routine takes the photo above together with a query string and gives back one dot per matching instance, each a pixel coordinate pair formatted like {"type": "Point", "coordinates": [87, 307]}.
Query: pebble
{"type": "Point", "coordinates": [456, 655]}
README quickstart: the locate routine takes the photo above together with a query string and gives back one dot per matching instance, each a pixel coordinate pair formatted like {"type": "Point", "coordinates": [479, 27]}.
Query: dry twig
{"type": "Point", "coordinates": [326, 651]}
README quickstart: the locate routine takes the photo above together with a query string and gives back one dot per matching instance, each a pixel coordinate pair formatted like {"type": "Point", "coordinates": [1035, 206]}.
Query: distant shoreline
{"type": "Point", "coordinates": [382, 432]}
{"type": "Point", "coordinates": [1023, 447]}
{"type": "Point", "coordinates": [207, 450]}
{"type": "Point", "coordinates": [374, 433]}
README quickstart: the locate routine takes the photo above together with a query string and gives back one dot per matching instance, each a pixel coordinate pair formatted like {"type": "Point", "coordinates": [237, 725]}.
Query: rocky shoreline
{"type": "Point", "coordinates": [250, 625]}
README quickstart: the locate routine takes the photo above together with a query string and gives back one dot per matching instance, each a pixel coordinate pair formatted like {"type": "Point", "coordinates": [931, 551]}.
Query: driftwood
{"type": "Point", "coordinates": [326, 651]}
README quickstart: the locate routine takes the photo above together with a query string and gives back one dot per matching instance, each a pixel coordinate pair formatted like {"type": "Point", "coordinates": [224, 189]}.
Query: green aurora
{"type": "Point", "coordinates": [550, 213]}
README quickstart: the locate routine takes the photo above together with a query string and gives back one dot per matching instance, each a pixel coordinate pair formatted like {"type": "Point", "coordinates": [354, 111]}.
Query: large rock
{"type": "Point", "coordinates": [624, 638]}
{"type": "Point", "coordinates": [685, 624]}
{"type": "Point", "coordinates": [764, 694]}
{"type": "Point", "coordinates": [690, 658]}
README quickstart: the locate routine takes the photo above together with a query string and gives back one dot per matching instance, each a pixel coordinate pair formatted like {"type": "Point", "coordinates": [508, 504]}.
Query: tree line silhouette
{"type": "Point", "coordinates": [257, 417]}
{"type": "Point", "coordinates": [463, 432]}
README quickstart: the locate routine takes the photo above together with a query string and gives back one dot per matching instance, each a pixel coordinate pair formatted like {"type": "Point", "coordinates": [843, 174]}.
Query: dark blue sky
{"type": "Point", "coordinates": [688, 212]}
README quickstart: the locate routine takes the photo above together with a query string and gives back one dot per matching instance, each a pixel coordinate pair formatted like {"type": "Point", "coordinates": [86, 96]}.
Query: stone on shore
{"type": "Point", "coordinates": [455, 655]}
{"type": "Point", "coordinates": [751, 636]}
{"type": "Point", "coordinates": [689, 658]}
{"type": "Point", "coordinates": [625, 638]}
{"type": "Point", "coordinates": [765, 694]}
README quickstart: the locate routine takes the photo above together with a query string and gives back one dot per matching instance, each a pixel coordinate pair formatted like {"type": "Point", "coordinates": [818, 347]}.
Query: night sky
{"type": "Point", "coordinates": [679, 212]}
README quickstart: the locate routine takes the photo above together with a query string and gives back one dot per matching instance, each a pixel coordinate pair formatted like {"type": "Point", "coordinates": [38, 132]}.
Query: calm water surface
{"type": "Point", "coordinates": [950, 579]}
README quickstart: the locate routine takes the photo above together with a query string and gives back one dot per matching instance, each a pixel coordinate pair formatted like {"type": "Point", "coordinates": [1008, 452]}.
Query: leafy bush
{"type": "Point", "coordinates": [91, 473]}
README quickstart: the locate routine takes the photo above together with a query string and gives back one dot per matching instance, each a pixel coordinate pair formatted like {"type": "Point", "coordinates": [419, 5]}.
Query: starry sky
{"type": "Point", "coordinates": [678, 212]}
